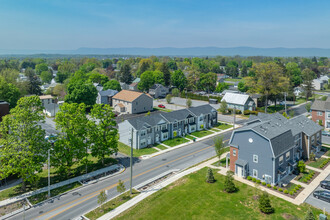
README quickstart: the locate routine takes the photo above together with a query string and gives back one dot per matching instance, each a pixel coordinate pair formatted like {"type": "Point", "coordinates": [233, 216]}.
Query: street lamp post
{"type": "Point", "coordinates": [48, 173]}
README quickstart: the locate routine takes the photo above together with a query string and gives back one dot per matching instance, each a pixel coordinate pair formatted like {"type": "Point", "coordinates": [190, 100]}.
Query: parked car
{"type": "Point", "coordinates": [322, 194]}
{"type": "Point", "coordinates": [161, 106]}
{"type": "Point", "coordinates": [325, 133]}
{"type": "Point", "coordinates": [325, 184]}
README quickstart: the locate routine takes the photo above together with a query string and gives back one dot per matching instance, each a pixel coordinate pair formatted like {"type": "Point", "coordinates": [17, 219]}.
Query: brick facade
{"type": "Point", "coordinates": [233, 158]}
{"type": "Point", "coordinates": [316, 117]}
{"type": "Point", "coordinates": [4, 109]}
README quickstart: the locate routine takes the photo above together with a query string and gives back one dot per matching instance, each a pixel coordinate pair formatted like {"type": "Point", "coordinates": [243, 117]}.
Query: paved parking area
{"type": "Point", "coordinates": [325, 139]}
{"type": "Point", "coordinates": [317, 202]}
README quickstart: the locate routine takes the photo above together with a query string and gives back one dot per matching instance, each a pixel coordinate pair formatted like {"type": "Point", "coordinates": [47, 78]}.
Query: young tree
{"type": "Point", "coordinates": [242, 87]}
{"type": "Point", "coordinates": [229, 183]}
{"type": "Point", "coordinates": [121, 187]}
{"type": "Point", "coordinates": [168, 98]}
{"type": "Point", "coordinates": [102, 131]}
{"type": "Point", "coordinates": [189, 103]}
{"type": "Point", "coordinates": [301, 166]}
{"type": "Point", "coordinates": [80, 92]}
{"type": "Point", "coordinates": [101, 198]}
{"type": "Point", "coordinates": [223, 107]}
{"type": "Point", "coordinates": [308, 76]}
{"type": "Point", "coordinates": [264, 204]}
{"type": "Point", "coordinates": [310, 215]}
{"type": "Point", "coordinates": [268, 80]}
{"type": "Point", "coordinates": [209, 176]}
{"type": "Point", "coordinates": [125, 74]}
{"type": "Point", "coordinates": [219, 146]}
{"type": "Point", "coordinates": [112, 84]}
{"type": "Point", "coordinates": [179, 80]}
{"type": "Point", "coordinates": [308, 107]}
{"type": "Point", "coordinates": [71, 145]}
{"type": "Point", "coordinates": [176, 92]}
{"type": "Point", "coordinates": [221, 87]}
{"type": "Point", "coordinates": [24, 148]}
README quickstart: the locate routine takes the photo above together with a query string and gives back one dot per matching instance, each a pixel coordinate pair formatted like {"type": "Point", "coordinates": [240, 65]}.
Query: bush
{"type": "Point", "coordinates": [268, 185]}
{"type": "Point", "coordinates": [299, 186]}
{"type": "Point", "coordinates": [249, 178]}
{"type": "Point", "coordinates": [291, 193]}
{"type": "Point", "coordinates": [258, 181]}
{"type": "Point", "coordinates": [254, 180]}
{"type": "Point", "coordinates": [264, 204]}
{"type": "Point", "coordinates": [209, 176]}
{"type": "Point", "coordinates": [301, 166]}
{"type": "Point", "coordinates": [231, 110]}
{"type": "Point", "coordinates": [275, 187]}
{"type": "Point", "coordinates": [280, 189]}
{"type": "Point", "coordinates": [294, 190]}
{"type": "Point", "coordinates": [286, 191]}
{"type": "Point", "coordinates": [229, 183]}
{"type": "Point", "coordinates": [264, 183]}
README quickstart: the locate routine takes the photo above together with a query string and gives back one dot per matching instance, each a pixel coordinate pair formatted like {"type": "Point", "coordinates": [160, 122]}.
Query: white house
{"type": "Point", "coordinates": [239, 101]}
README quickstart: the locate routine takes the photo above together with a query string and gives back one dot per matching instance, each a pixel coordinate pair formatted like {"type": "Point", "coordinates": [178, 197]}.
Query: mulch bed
{"type": "Point", "coordinates": [300, 175]}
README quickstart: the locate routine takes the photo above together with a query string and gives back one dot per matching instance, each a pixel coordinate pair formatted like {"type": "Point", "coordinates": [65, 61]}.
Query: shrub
{"type": "Point", "coordinates": [229, 183]}
{"type": "Point", "coordinates": [275, 187]}
{"type": "Point", "coordinates": [247, 112]}
{"type": "Point", "coordinates": [308, 178]}
{"type": "Point", "coordinates": [258, 181]}
{"type": "Point", "coordinates": [209, 176]}
{"type": "Point", "coordinates": [312, 156]}
{"type": "Point", "coordinates": [310, 215]}
{"type": "Point", "coordinates": [305, 180]}
{"type": "Point", "coordinates": [299, 186]}
{"type": "Point", "coordinates": [291, 193]}
{"type": "Point", "coordinates": [254, 180]}
{"type": "Point", "coordinates": [280, 189]}
{"type": "Point", "coordinates": [175, 133]}
{"type": "Point", "coordinates": [301, 166]}
{"type": "Point", "coordinates": [264, 204]}
{"type": "Point", "coordinates": [268, 185]}
{"type": "Point", "coordinates": [264, 183]}
{"type": "Point", "coordinates": [249, 178]}
{"type": "Point", "coordinates": [286, 191]}
{"type": "Point", "coordinates": [294, 190]}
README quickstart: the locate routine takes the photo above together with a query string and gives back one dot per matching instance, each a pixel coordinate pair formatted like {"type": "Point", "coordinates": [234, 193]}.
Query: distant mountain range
{"type": "Point", "coordinates": [190, 51]}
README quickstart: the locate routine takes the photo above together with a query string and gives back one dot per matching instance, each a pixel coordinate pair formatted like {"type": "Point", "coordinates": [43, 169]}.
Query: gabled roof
{"type": "Point", "coordinates": [235, 98]}
{"type": "Point", "coordinates": [320, 105]}
{"type": "Point", "coordinates": [134, 84]}
{"type": "Point", "coordinates": [129, 95]}
{"type": "Point", "coordinates": [45, 97]}
{"type": "Point", "coordinates": [202, 109]}
{"type": "Point", "coordinates": [108, 92]}
{"type": "Point", "coordinates": [155, 86]}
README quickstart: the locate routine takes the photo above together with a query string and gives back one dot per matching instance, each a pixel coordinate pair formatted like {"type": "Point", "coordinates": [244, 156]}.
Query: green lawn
{"type": "Point", "coordinates": [43, 196]}
{"type": "Point", "coordinates": [303, 176]}
{"type": "Point", "coordinates": [136, 153]}
{"type": "Point", "coordinates": [162, 109]}
{"type": "Point", "coordinates": [223, 126]}
{"type": "Point", "coordinates": [175, 141]}
{"type": "Point", "coordinates": [326, 151]}
{"type": "Point", "coordinates": [112, 204]}
{"type": "Point", "coordinates": [272, 108]}
{"type": "Point", "coordinates": [317, 163]}
{"type": "Point", "coordinates": [189, 137]}
{"type": "Point", "coordinates": [76, 170]}
{"type": "Point", "coordinates": [215, 130]}
{"type": "Point", "coordinates": [192, 198]}
{"type": "Point", "coordinates": [222, 162]}
{"type": "Point", "coordinates": [202, 133]}
{"type": "Point", "coordinates": [159, 146]}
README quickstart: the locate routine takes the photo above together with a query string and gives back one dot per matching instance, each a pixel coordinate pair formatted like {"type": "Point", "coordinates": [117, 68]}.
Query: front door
{"type": "Point", "coordinates": [149, 140]}
{"type": "Point", "coordinates": [268, 179]}
{"type": "Point", "coordinates": [239, 171]}
{"type": "Point", "coordinates": [157, 138]}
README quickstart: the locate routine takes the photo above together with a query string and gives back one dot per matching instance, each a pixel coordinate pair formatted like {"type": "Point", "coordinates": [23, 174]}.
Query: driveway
{"type": "Point", "coordinates": [317, 202]}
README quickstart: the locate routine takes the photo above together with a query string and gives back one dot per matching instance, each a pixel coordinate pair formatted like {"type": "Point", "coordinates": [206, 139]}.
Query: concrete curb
{"type": "Point", "coordinates": [16, 211]}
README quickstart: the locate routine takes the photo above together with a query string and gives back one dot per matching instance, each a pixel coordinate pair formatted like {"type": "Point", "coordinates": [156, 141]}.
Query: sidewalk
{"type": "Point", "coordinates": [63, 183]}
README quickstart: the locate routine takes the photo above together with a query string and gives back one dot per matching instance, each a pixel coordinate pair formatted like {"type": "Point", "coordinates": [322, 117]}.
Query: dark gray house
{"type": "Point", "coordinates": [268, 147]}
{"type": "Point", "coordinates": [158, 91]}
{"type": "Point", "coordinates": [105, 97]}
{"type": "Point", "coordinates": [159, 127]}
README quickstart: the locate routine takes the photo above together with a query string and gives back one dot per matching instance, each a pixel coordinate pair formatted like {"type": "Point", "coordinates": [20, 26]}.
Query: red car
{"type": "Point", "coordinates": [161, 106]}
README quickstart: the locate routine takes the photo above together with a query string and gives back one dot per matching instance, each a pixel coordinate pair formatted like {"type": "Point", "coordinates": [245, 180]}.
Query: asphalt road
{"type": "Point", "coordinates": [321, 204]}
{"type": "Point", "coordinates": [74, 204]}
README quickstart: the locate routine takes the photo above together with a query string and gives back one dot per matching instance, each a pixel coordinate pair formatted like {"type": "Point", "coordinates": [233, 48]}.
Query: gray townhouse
{"type": "Point", "coordinates": [268, 147]}
{"type": "Point", "coordinates": [158, 91]}
{"type": "Point", "coordinates": [155, 128]}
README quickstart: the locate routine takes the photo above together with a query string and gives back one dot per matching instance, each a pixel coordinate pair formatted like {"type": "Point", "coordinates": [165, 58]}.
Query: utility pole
{"type": "Point", "coordinates": [48, 173]}
{"type": "Point", "coordinates": [131, 164]}
{"type": "Point", "coordinates": [285, 94]}
{"type": "Point", "coordinates": [234, 116]}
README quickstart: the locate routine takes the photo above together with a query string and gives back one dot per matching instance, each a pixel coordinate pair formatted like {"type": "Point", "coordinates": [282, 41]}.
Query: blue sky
{"type": "Point", "coordinates": [71, 24]}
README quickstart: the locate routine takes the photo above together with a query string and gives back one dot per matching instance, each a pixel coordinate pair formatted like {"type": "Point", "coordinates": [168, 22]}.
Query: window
{"type": "Point", "coordinates": [164, 127]}
{"type": "Point", "coordinates": [328, 115]}
{"type": "Point", "coordinates": [157, 128]}
{"type": "Point", "coordinates": [175, 125]}
{"type": "Point", "coordinates": [234, 152]}
{"type": "Point", "coordinates": [143, 132]}
{"type": "Point", "coordinates": [287, 155]}
{"type": "Point", "coordinates": [255, 173]}
{"type": "Point", "coordinates": [136, 103]}
{"type": "Point", "coordinates": [186, 121]}
{"type": "Point", "coordinates": [280, 160]}
{"type": "Point", "coordinates": [191, 120]}
{"type": "Point", "coordinates": [319, 113]}
{"type": "Point", "coordinates": [255, 158]}
{"type": "Point", "coordinates": [318, 136]}
{"type": "Point", "coordinates": [313, 139]}
{"type": "Point", "coordinates": [201, 118]}
{"type": "Point", "coordinates": [165, 136]}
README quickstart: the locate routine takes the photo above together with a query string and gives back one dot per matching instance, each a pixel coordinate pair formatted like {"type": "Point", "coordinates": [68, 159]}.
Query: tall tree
{"type": "Point", "coordinates": [208, 81]}
{"type": "Point", "coordinates": [23, 147]}
{"type": "Point", "coordinates": [179, 80]}
{"type": "Point", "coordinates": [34, 82]}
{"type": "Point", "coordinates": [159, 77]}
{"type": "Point", "coordinates": [167, 74]}
{"type": "Point", "coordinates": [41, 68]}
{"type": "Point", "coordinates": [80, 92]}
{"type": "Point", "coordinates": [125, 74]}
{"type": "Point", "coordinates": [71, 144]}
{"type": "Point", "coordinates": [147, 80]}
{"type": "Point", "coordinates": [98, 78]}
{"type": "Point", "coordinates": [46, 76]}
{"type": "Point", "coordinates": [112, 84]}
{"type": "Point", "coordinates": [293, 71]}
{"type": "Point", "coordinates": [9, 93]}
{"type": "Point", "coordinates": [102, 132]}
{"type": "Point", "coordinates": [308, 76]}
{"type": "Point", "coordinates": [268, 80]}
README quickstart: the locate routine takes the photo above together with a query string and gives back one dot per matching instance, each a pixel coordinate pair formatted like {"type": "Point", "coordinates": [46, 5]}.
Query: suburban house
{"type": "Point", "coordinates": [158, 91]}
{"type": "Point", "coordinates": [132, 102]}
{"type": "Point", "coordinates": [257, 98]}
{"type": "Point", "coordinates": [98, 87]}
{"type": "Point", "coordinates": [298, 91]}
{"type": "Point", "coordinates": [239, 101]}
{"type": "Point", "coordinates": [269, 146]}
{"type": "Point", "coordinates": [320, 82]}
{"type": "Point", "coordinates": [230, 91]}
{"type": "Point", "coordinates": [49, 104]}
{"type": "Point", "coordinates": [155, 128]}
{"type": "Point", "coordinates": [321, 112]}
{"type": "Point", "coordinates": [4, 109]}
{"type": "Point", "coordinates": [124, 86]}
{"type": "Point", "coordinates": [133, 86]}
{"type": "Point", "coordinates": [105, 97]}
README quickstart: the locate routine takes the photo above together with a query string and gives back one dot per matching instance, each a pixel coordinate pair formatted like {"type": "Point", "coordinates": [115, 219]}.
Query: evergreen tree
{"type": "Point", "coordinates": [308, 76]}
{"type": "Point", "coordinates": [264, 204]}
{"type": "Point", "coordinates": [34, 82]}
{"type": "Point", "coordinates": [310, 215]}
{"type": "Point", "coordinates": [167, 74]}
{"type": "Point", "coordinates": [229, 182]}
{"type": "Point", "coordinates": [125, 74]}
{"type": "Point", "coordinates": [209, 176]}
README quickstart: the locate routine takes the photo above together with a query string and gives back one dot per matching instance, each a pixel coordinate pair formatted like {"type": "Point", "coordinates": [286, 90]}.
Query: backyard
{"type": "Point", "coordinates": [196, 199]}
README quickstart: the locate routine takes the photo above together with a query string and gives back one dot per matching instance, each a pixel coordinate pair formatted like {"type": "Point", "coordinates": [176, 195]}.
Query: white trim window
{"type": "Point", "coordinates": [255, 158]}
{"type": "Point", "coordinates": [318, 136]}
{"type": "Point", "coordinates": [234, 152]}
{"type": "Point", "coordinates": [328, 115]}
{"type": "Point", "coordinates": [287, 156]}
{"type": "Point", "coordinates": [319, 113]}
{"type": "Point", "coordinates": [143, 133]}
{"type": "Point", "coordinates": [280, 160]}
{"type": "Point", "coordinates": [255, 173]}
{"type": "Point", "coordinates": [313, 139]}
